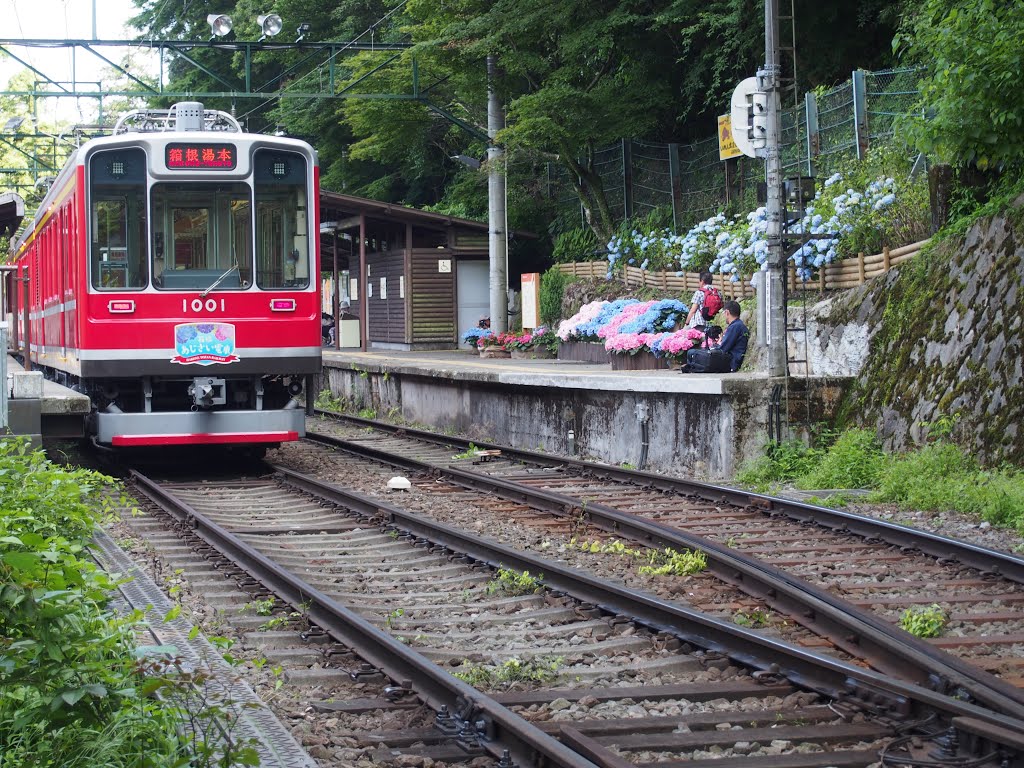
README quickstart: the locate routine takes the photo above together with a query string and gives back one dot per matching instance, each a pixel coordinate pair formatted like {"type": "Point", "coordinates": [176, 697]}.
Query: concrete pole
{"type": "Point", "coordinates": [777, 363]}
{"type": "Point", "coordinates": [497, 238]}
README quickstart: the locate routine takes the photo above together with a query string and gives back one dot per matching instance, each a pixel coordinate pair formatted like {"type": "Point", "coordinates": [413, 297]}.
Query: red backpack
{"type": "Point", "coordinates": [712, 302]}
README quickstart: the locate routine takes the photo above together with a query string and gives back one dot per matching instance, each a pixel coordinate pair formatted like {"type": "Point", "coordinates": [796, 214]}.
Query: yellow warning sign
{"type": "Point", "coordinates": [726, 146]}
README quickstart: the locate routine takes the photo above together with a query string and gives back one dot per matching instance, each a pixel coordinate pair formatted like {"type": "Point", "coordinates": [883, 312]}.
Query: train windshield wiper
{"type": "Point", "coordinates": [218, 281]}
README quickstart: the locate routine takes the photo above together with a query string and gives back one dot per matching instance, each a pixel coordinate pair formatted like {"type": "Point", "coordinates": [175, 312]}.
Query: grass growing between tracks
{"type": "Point", "coordinates": [74, 692]}
{"type": "Point", "coordinates": [939, 476]}
{"type": "Point", "coordinates": [660, 562]}
{"type": "Point", "coordinates": [490, 677]}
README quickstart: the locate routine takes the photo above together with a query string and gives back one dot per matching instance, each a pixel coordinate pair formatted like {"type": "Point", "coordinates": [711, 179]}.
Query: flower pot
{"type": "Point", "coordinates": [533, 353]}
{"type": "Point", "coordinates": [494, 352]}
{"type": "Point", "coordinates": [641, 361]}
{"type": "Point", "coordinates": [583, 351]}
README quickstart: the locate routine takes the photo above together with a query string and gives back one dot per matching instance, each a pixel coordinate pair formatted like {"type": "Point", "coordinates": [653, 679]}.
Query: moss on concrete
{"type": "Point", "coordinates": [946, 340]}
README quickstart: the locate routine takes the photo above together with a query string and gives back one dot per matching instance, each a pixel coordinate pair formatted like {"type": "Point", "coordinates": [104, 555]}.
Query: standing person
{"type": "Point", "coordinates": [734, 340]}
{"type": "Point", "coordinates": [705, 303]}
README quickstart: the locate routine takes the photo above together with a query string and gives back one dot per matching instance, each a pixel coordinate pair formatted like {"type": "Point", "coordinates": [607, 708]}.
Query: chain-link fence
{"type": "Point", "coordinates": [693, 183]}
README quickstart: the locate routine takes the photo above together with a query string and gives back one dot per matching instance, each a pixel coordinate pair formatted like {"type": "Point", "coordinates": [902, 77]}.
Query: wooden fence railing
{"type": "Point", "coordinates": [848, 273]}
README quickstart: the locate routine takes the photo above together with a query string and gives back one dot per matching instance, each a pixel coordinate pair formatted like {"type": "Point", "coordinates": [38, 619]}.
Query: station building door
{"type": "Point", "coordinates": [473, 281]}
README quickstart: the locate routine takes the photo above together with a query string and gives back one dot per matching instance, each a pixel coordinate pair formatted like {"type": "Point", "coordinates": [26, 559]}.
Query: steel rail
{"type": "Point", "coordinates": [496, 727]}
{"type": "Point", "coordinates": [987, 561]}
{"type": "Point", "coordinates": [831, 677]}
{"type": "Point", "coordinates": [856, 631]}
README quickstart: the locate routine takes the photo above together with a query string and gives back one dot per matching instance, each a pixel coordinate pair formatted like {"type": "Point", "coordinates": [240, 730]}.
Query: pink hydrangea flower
{"type": "Point", "coordinates": [678, 342]}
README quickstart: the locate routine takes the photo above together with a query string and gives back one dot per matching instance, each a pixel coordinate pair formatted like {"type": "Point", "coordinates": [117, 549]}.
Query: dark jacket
{"type": "Point", "coordinates": [734, 341]}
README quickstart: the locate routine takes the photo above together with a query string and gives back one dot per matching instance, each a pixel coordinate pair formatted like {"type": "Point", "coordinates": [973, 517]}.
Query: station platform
{"type": "Point", "coordinates": [43, 408]}
{"type": "Point", "coordinates": [469, 366]}
{"type": "Point", "coordinates": [701, 425]}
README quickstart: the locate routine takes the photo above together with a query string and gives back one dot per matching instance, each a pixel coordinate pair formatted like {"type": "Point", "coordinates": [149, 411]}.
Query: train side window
{"type": "Point", "coordinates": [282, 219]}
{"type": "Point", "coordinates": [117, 231]}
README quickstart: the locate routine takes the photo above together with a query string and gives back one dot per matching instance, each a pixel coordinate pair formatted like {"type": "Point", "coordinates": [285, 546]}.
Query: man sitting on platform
{"type": "Point", "coordinates": [726, 355]}
{"type": "Point", "coordinates": [734, 340]}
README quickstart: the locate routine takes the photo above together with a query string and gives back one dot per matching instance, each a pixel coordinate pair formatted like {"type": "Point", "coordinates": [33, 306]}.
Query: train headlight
{"type": "Point", "coordinates": [220, 23]}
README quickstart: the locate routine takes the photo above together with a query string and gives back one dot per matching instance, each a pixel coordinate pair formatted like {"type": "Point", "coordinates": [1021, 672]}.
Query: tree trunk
{"type": "Point", "coordinates": [590, 190]}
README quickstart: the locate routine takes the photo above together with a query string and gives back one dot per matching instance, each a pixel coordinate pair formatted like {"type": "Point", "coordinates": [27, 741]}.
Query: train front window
{"type": "Point", "coordinates": [117, 221]}
{"type": "Point", "coordinates": [202, 235]}
{"type": "Point", "coordinates": [282, 219]}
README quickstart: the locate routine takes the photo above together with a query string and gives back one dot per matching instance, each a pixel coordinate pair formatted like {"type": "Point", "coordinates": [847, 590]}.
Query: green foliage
{"type": "Point", "coordinates": [942, 476]}
{"type": "Point", "coordinates": [754, 619]}
{"type": "Point", "coordinates": [513, 583]}
{"type": "Point", "coordinates": [855, 460]}
{"type": "Point", "coordinates": [576, 245]}
{"type": "Point", "coordinates": [669, 562]}
{"type": "Point", "coordinates": [262, 607]}
{"type": "Point", "coordinates": [71, 693]}
{"type": "Point", "coordinates": [508, 673]}
{"type": "Point", "coordinates": [782, 463]}
{"type": "Point", "coordinates": [924, 620]}
{"type": "Point", "coordinates": [938, 476]}
{"type": "Point", "coordinates": [367, 413]}
{"type": "Point", "coordinates": [469, 453]}
{"type": "Point", "coordinates": [969, 111]}
{"type": "Point", "coordinates": [663, 562]}
{"type": "Point", "coordinates": [326, 401]}
{"type": "Point", "coordinates": [907, 220]}
{"type": "Point", "coordinates": [552, 290]}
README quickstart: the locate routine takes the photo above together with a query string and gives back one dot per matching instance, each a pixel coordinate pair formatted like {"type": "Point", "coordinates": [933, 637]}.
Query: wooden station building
{"type": "Point", "coordinates": [412, 279]}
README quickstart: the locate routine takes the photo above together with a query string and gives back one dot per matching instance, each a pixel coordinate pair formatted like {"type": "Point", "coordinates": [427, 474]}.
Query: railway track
{"type": "Point", "coordinates": [843, 576]}
{"type": "Point", "coordinates": [607, 676]}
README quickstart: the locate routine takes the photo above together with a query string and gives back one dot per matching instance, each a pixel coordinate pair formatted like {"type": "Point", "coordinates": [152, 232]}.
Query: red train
{"type": "Point", "coordinates": [173, 277]}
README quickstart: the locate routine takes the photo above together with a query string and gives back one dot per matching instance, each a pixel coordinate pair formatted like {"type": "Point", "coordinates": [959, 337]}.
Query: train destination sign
{"type": "Point", "coordinates": [219, 157]}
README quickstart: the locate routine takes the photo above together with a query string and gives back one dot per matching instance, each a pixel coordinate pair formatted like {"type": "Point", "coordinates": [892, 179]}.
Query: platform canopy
{"type": "Point", "coordinates": [410, 277]}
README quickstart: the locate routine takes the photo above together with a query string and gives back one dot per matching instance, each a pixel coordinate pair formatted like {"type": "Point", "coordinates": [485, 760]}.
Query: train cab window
{"type": "Point", "coordinates": [117, 232]}
{"type": "Point", "coordinates": [202, 236]}
{"type": "Point", "coordinates": [282, 219]}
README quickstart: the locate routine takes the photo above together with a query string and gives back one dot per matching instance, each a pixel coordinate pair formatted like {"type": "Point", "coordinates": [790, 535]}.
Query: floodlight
{"type": "Point", "coordinates": [220, 23]}
{"type": "Point", "coordinates": [13, 124]}
{"type": "Point", "coordinates": [302, 31]}
{"type": "Point", "coordinates": [270, 24]}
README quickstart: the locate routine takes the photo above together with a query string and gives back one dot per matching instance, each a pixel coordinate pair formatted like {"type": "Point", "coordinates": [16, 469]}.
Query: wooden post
{"type": "Point", "coordinates": [821, 278]}
{"type": "Point", "coordinates": [885, 258]}
{"type": "Point", "coordinates": [860, 267]}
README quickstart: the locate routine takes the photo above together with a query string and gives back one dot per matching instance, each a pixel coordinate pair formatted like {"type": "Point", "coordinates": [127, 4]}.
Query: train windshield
{"type": "Point", "coordinates": [117, 221]}
{"type": "Point", "coordinates": [282, 229]}
{"type": "Point", "coordinates": [202, 235]}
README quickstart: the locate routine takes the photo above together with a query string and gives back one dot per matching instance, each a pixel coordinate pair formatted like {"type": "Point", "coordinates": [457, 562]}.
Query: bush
{"type": "Point", "coordinates": [782, 463]}
{"type": "Point", "coordinates": [941, 476]}
{"type": "Point", "coordinates": [575, 245]}
{"type": "Point", "coordinates": [552, 289]}
{"type": "Point", "coordinates": [855, 460]}
{"type": "Point", "coordinates": [71, 693]}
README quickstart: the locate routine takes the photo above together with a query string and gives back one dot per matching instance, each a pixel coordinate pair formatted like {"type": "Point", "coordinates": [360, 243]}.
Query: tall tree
{"type": "Point", "coordinates": [970, 110]}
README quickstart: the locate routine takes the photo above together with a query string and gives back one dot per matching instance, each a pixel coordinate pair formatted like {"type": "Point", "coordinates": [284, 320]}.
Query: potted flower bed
{"type": "Point", "coordinates": [650, 351]}
{"type": "Point", "coordinates": [540, 343]}
{"type": "Point", "coordinates": [493, 346]}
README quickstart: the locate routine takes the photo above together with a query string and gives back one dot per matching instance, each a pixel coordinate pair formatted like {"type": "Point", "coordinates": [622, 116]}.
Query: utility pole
{"type": "Point", "coordinates": [497, 236]}
{"type": "Point", "coordinates": [777, 363]}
